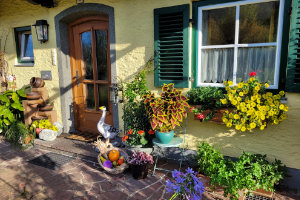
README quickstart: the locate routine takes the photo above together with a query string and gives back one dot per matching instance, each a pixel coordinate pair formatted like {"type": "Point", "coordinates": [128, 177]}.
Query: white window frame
{"type": "Point", "coordinates": [236, 45]}
{"type": "Point", "coordinates": [22, 47]}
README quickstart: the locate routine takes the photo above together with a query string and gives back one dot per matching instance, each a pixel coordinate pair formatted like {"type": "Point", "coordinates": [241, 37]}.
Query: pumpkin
{"type": "Point", "coordinates": [113, 155]}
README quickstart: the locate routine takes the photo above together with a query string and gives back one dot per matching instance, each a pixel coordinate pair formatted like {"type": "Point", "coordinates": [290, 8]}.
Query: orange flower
{"type": "Point", "coordinates": [141, 132]}
{"type": "Point", "coordinates": [124, 138]}
{"type": "Point", "coordinates": [151, 132]}
{"type": "Point", "coordinates": [130, 131]}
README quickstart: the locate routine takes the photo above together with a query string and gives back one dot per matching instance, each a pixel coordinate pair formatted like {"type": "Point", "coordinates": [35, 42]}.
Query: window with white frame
{"type": "Point", "coordinates": [24, 45]}
{"type": "Point", "coordinates": [237, 38]}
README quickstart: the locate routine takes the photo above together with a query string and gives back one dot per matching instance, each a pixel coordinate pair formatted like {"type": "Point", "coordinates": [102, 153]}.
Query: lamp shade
{"type": "Point", "coordinates": [41, 27]}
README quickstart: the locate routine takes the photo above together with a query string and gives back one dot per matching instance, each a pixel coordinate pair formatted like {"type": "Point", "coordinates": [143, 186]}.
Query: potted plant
{"type": "Point", "coordinates": [185, 185]}
{"type": "Point", "coordinates": [138, 140]}
{"type": "Point", "coordinates": [207, 105]}
{"type": "Point", "coordinates": [166, 112]}
{"type": "Point", "coordinates": [253, 106]}
{"type": "Point", "coordinates": [139, 162]}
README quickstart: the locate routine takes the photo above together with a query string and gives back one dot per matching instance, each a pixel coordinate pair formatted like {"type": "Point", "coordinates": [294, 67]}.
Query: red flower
{"type": "Point", "coordinates": [151, 132]}
{"type": "Point", "coordinates": [199, 116]}
{"type": "Point", "coordinates": [252, 74]}
{"type": "Point", "coordinates": [141, 132]}
{"type": "Point", "coordinates": [124, 138]}
{"type": "Point", "coordinates": [130, 131]}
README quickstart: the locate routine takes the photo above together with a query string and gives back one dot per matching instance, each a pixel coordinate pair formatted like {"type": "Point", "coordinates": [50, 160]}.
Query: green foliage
{"type": "Point", "coordinates": [250, 171]}
{"type": "Point", "coordinates": [167, 111]}
{"type": "Point", "coordinates": [11, 108]}
{"type": "Point", "coordinates": [207, 97]}
{"type": "Point", "coordinates": [135, 116]}
{"type": "Point", "coordinates": [17, 133]}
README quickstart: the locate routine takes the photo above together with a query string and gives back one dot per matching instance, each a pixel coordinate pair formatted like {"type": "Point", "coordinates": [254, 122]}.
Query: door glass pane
{"type": "Point", "coordinates": [28, 46]}
{"type": "Point", "coordinates": [101, 51]}
{"type": "Point", "coordinates": [258, 59]}
{"type": "Point", "coordinates": [258, 22]}
{"type": "Point", "coordinates": [90, 96]}
{"type": "Point", "coordinates": [103, 95]}
{"type": "Point", "coordinates": [86, 45]}
{"type": "Point", "coordinates": [216, 65]}
{"type": "Point", "coordinates": [218, 26]}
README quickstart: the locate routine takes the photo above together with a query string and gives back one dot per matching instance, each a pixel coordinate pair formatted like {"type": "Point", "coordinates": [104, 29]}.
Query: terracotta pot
{"type": "Point", "coordinates": [218, 114]}
{"type": "Point", "coordinates": [37, 82]}
{"type": "Point", "coordinates": [47, 107]}
{"type": "Point", "coordinates": [33, 95]}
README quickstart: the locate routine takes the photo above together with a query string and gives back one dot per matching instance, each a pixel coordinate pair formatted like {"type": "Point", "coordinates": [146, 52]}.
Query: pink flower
{"type": "Point", "coordinates": [252, 74]}
{"type": "Point", "coordinates": [199, 116]}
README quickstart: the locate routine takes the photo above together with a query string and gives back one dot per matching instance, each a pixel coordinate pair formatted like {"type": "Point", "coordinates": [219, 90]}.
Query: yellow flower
{"type": "Point", "coordinates": [225, 120]}
{"type": "Point", "coordinates": [252, 125]}
{"type": "Point", "coordinates": [241, 94]}
{"type": "Point", "coordinates": [233, 91]}
{"type": "Point", "coordinates": [230, 83]}
{"type": "Point", "coordinates": [243, 120]}
{"type": "Point", "coordinates": [229, 125]}
{"type": "Point", "coordinates": [238, 127]}
{"type": "Point", "coordinates": [281, 93]}
{"type": "Point", "coordinates": [253, 98]}
{"type": "Point", "coordinates": [230, 115]}
{"type": "Point", "coordinates": [244, 109]}
{"type": "Point", "coordinates": [243, 104]}
{"type": "Point", "coordinates": [224, 101]}
{"type": "Point", "coordinates": [245, 91]}
{"type": "Point", "coordinates": [240, 85]}
{"type": "Point", "coordinates": [257, 88]}
{"type": "Point", "coordinates": [243, 129]}
{"type": "Point", "coordinates": [281, 107]}
{"type": "Point", "coordinates": [234, 102]}
{"type": "Point", "coordinates": [251, 79]}
{"type": "Point", "coordinates": [276, 121]}
{"type": "Point", "coordinates": [263, 117]}
{"type": "Point", "coordinates": [286, 108]}
{"type": "Point", "coordinates": [236, 116]}
{"type": "Point", "coordinates": [266, 85]}
{"type": "Point", "coordinates": [225, 83]}
{"type": "Point", "coordinates": [262, 127]}
{"type": "Point", "coordinates": [253, 104]}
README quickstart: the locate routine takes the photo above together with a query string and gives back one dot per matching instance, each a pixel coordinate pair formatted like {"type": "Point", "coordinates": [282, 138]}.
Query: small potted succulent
{"type": "Point", "coordinates": [166, 112]}
{"type": "Point", "coordinates": [139, 162]}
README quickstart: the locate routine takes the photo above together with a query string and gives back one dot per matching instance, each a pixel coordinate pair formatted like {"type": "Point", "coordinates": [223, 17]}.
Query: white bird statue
{"type": "Point", "coordinates": [106, 130]}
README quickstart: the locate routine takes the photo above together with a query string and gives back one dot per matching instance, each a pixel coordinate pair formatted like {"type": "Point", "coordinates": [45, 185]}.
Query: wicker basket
{"type": "Point", "coordinates": [105, 148]}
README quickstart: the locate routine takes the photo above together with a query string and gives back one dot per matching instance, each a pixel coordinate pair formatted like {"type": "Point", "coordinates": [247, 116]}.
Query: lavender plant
{"type": "Point", "coordinates": [140, 158]}
{"type": "Point", "coordinates": [186, 186]}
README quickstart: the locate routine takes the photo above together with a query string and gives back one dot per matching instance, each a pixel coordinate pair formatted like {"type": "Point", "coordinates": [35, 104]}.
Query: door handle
{"type": "Point", "coordinates": [77, 77]}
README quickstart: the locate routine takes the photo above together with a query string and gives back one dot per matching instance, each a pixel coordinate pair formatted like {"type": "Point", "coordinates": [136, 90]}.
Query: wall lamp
{"type": "Point", "coordinates": [41, 27]}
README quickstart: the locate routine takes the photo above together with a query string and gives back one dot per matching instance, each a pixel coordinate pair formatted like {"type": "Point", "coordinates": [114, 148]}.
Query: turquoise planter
{"type": "Point", "coordinates": [165, 138]}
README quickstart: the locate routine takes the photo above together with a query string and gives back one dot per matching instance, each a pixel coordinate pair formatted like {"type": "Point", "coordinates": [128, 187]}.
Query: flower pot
{"type": "Point", "coordinates": [139, 171]}
{"type": "Point", "coordinates": [165, 138]}
{"type": "Point", "coordinates": [37, 82]}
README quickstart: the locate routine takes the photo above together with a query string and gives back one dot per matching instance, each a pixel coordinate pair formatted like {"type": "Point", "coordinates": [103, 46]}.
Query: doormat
{"type": "Point", "coordinates": [82, 136]}
{"type": "Point", "coordinates": [51, 160]}
{"type": "Point", "coordinates": [256, 197]}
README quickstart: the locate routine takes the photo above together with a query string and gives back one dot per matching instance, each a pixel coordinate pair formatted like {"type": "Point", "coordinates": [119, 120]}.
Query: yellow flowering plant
{"type": "Point", "coordinates": [254, 107]}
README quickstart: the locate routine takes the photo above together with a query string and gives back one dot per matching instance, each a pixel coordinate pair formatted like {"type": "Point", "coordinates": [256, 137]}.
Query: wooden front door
{"type": "Point", "coordinates": [91, 79]}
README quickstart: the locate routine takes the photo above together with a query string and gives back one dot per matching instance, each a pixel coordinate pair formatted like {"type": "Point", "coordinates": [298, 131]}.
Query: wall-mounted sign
{"type": "Point", "coordinates": [46, 75]}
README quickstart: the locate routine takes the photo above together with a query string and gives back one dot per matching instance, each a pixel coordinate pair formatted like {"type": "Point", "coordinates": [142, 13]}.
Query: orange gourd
{"type": "Point", "coordinates": [113, 155]}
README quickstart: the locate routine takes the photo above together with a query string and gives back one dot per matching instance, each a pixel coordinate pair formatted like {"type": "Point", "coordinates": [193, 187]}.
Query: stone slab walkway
{"type": "Point", "coordinates": [78, 179]}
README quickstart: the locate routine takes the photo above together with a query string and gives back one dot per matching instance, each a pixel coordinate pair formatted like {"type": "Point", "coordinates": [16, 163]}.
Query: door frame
{"type": "Point", "coordinates": [63, 92]}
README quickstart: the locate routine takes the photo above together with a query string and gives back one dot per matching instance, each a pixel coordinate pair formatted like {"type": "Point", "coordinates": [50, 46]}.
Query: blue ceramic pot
{"type": "Point", "coordinates": [164, 138]}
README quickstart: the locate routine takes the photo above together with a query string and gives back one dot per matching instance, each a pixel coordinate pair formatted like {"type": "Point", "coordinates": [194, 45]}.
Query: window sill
{"type": "Point", "coordinates": [24, 65]}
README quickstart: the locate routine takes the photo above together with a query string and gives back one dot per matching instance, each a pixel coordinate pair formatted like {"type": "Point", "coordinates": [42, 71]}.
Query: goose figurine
{"type": "Point", "coordinates": [106, 130]}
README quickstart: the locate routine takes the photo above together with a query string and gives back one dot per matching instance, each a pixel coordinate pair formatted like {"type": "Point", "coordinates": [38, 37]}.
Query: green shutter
{"type": "Point", "coordinates": [171, 48]}
{"type": "Point", "coordinates": [293, 68]}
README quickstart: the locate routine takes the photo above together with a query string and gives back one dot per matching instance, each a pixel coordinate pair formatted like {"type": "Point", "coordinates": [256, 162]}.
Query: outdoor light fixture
{"type": "Point", "coordinates": [41, 27]}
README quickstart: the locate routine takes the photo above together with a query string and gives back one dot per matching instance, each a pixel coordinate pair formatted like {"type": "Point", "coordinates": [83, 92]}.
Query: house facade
{"type": "Point", "coordinates": [96, 43]}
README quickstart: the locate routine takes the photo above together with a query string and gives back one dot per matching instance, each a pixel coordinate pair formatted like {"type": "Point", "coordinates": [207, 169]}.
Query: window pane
{"type": "Point", "coordinates": [258, 59]}
{"type": "Point", "coordinates": [86, 45]}
{"type": "Point", "coordinates": [101, 51]}
{"type": "Point", "coordinates": [216, 65]}
{"type": "Point", "coordinates": [90, 96]}
{"type": "Point", "coordinates": [218, 26]}
{"type": "Point", "coordinates": [103, 95]}
{"type": "Point", "coordinates": [258, 22]}
{"type": "Point", "coordinates": [28, 47]}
